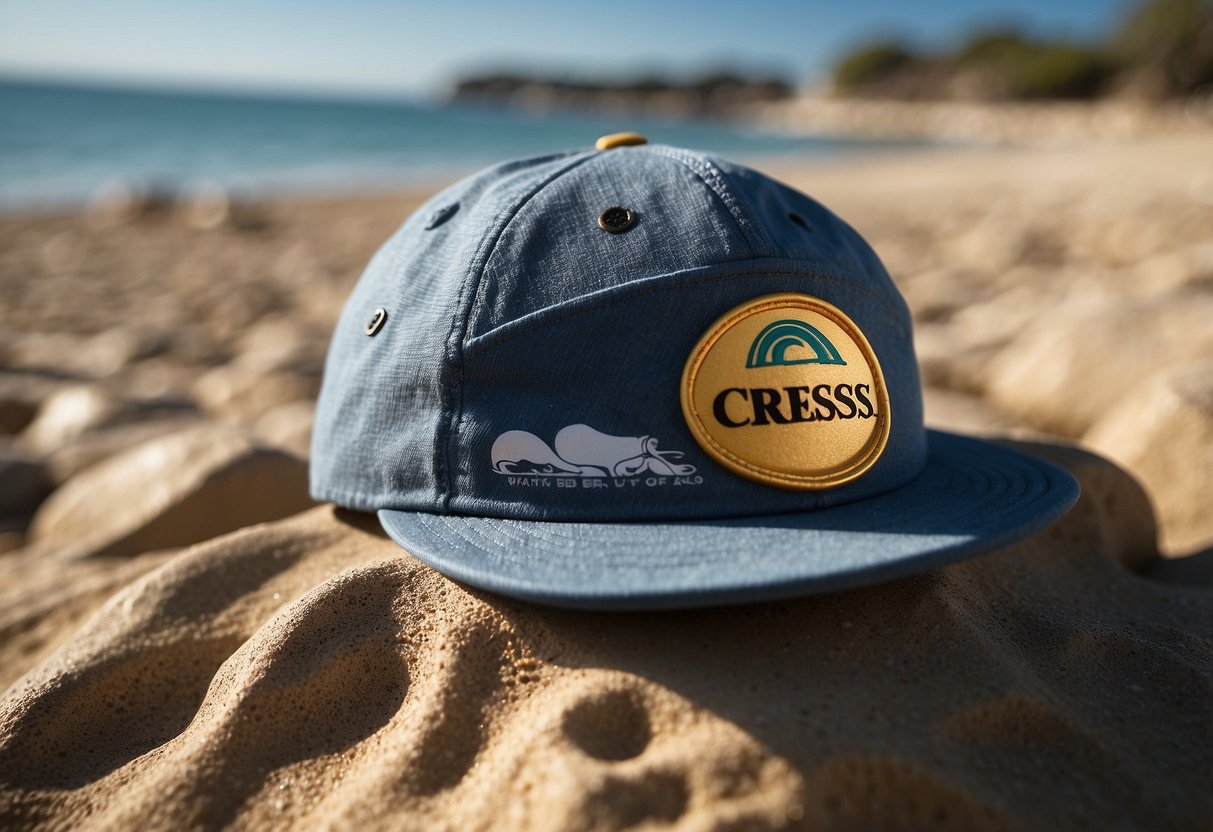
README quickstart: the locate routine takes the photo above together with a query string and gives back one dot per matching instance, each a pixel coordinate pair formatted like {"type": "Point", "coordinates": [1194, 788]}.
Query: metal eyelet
{"type": "Point", "coordinates": [378, 319]}
{"type": "Point", "coordinates": [616, 220]}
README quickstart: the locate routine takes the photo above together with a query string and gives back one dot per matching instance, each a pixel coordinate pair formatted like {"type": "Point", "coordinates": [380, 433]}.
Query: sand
{"type": "Point", "coordinates": [261, 668]}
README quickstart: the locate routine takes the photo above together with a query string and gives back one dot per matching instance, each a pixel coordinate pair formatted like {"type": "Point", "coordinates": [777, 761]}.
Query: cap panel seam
{"type": "Point", "coordinates": [485, 342]}
{"type": "Point", "coordinates": [469, 290]}
{"type": "Point", "coordinates": [711, 176]}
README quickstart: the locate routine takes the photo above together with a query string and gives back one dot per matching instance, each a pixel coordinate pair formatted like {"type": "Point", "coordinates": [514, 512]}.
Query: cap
{"type": "Point", "coordinates": [644, 377]}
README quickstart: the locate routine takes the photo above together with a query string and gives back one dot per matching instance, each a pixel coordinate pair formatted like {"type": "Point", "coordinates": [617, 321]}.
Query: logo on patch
{"type": "Point", "coordinates": [582, 451]}
{"type": "Point", "coordinates": [773, 343]}
{"type": "Point", "coordinates": [786, 390]}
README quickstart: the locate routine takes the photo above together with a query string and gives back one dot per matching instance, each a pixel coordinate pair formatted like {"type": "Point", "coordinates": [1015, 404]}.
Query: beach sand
{"type": "Point", "coordinates": [187, 642]}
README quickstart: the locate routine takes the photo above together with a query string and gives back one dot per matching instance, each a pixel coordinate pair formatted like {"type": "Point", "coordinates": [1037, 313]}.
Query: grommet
{"type": "Point", "coordinates": [627, 139]}
{"type": "Point", "coordinates": [616, 220]}
{"type": "Point", "coordinates": [441, 215]}
{"type": "Point", "coordinates": [378, 319]}
{"type": "Point", "coordinates": [799, 220]}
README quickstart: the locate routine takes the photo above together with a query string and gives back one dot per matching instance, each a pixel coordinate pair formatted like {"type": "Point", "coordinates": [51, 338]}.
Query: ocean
{"type": "Point", "coordinates": [60, 144]}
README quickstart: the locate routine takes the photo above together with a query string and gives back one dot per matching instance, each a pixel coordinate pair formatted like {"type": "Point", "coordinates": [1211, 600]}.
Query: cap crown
{"type": "Point", "coordinates": [530, 362]}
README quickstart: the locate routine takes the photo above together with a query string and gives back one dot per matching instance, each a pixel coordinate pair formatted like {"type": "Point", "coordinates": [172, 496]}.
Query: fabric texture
{"type": "Point", "coordinates": [528, 372]}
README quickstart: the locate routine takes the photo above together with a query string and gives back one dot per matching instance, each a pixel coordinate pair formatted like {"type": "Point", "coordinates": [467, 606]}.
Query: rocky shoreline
{"type": "Point", "coordinates": [1021, 123]}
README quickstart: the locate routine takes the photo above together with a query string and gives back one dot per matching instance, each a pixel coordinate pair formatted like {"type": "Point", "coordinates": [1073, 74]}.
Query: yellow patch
{"type": "Point", "coordinates": [785, 390]}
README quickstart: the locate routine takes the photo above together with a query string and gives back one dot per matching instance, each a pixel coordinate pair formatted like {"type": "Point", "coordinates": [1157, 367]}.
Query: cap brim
{"type": "Point", "coordinates": [972, 497]}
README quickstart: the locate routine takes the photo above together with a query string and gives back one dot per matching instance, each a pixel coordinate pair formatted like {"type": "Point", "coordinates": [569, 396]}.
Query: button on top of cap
{"type": "Point", "coordinates": [620, 140]}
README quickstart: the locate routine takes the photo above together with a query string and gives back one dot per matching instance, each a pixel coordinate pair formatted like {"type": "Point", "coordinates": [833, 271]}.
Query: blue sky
{"type": "Point", "coordinates": [378, 47]}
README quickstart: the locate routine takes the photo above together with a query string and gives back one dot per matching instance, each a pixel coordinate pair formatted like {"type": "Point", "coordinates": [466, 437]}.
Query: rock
{"type": "Point", "coordinates": [289, 426]}
{"type": "Point", "coordinates": [121, 202]}
{"type": "Point", "coordinates": [279, 361]}
{"type": "Point", "coordinates": [955, 351]}
{"type": "Point", "coordinates": [1128, 239]}
{"type": "Point", "coordinates": [21, 394]}
{"type": "Point", "coordinates": [1001, 317]}
{"type": "Point", "coordinates": [85, 356]}
{"type": "Point", "coordinates": [236, 391]}
{"type": "Point", "coordinates": [62, 253]}
{"type": "Point", "coordinates": [157, 379]}
{"type": "Point", "coordinates": [1190, 267]}
{"type": "Point", "coordinates": [936, 294]}
{"type": "Point", "coordinates": [209, 206]}
{"type": "Point", "coordinates": [948, 360]}
{"type": "Point", "coordinates": [69, 413]}
{"type": "Point", "coordinates": [78, 409]}
{"type": "Point", "coordinates": [1003, 239]}
{"type": "Point", "coordinates": [1163, 433]}
{"type": "Point", "coordinates": [283, 345]}
{"type": "Point", "coordinates": [10, 541]}
{"type": "Point", "coordinates": [46, 353]}
{"type": "Point", "coordinates": [194, 344]}
{"type": "Point", "coordinates": [206, 206]}
{"type": "Point", "coordinates": [24, 484]}
{"type": "Point", "coordinates": [962, 413]}
{"type": "Point", "coordinates": [108, 352]}
{"type": "Point", "coordinates": [113, 349]}
{"type": "Point", "coordinates": [91, 447]}
{"type": "Point", "coordinates": [1066, 370]}
{"type": "Point", "coordinates": [173, 491]}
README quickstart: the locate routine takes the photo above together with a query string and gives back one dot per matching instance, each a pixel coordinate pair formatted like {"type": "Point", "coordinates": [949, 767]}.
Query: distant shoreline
{"type": "Point", "coordinates": [70, 148]}
{"type": "Point", "coordinates": [1059, 122]}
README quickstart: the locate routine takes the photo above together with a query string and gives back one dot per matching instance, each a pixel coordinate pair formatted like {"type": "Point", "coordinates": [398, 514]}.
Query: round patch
{"type": "Point", "coordinates": [786, 390]}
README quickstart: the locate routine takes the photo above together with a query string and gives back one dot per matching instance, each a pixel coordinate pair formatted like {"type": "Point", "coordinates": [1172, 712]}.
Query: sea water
{"type": "Point", "coordinates": [60, 144]}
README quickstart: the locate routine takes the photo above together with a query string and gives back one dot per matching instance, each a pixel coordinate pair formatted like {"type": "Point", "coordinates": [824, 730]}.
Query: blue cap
{"type": "Point", "coordinates": [643, 377]}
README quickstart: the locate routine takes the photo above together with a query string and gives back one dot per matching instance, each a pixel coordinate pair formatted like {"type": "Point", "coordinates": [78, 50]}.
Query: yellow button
{"type": "Point", "coordinates": [620, 140]}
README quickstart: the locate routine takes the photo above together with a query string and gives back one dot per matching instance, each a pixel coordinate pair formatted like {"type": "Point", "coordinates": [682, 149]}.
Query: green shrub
{"type": "Point", "coordinates": [1172, 37]}
{"type": "Point", "coordinates": [1060, 71]}
{"type": "Point", "coordinates": [1168, 41]}
{"type": "Point", "coordinates": [991, 48]}
{"type": "Point", "coordinates": [871, 64]}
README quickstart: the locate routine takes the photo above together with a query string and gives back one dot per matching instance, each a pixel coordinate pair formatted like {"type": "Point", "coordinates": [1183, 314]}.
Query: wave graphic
{"type": "Point", "coordinates": [583, 451]}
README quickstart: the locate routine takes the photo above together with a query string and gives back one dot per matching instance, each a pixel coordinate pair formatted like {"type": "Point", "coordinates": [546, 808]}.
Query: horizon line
{"type": "Point", "coordinates": [201, 87]}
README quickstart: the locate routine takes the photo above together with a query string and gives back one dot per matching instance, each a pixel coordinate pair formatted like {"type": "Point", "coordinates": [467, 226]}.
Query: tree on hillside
{"type": "Point", "coordinates": [872, 64]}
{"type": "Point", "coordinates": [1004, 63]}
{"type": "Point", "coordinates": [1172, 40]}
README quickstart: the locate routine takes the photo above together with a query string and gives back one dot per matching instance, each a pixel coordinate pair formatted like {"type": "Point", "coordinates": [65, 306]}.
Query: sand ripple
{"type": "Point", "coordinates": [305, 674]}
